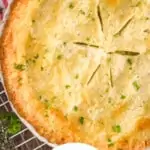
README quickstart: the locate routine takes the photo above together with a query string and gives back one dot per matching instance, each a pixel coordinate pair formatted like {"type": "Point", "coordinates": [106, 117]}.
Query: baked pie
{"type": "Point", "coordinates": [78, 70]}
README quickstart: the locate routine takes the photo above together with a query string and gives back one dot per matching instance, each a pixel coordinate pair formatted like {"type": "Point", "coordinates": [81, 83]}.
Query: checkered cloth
{"type": "Point", "coordinates": [3, 6]}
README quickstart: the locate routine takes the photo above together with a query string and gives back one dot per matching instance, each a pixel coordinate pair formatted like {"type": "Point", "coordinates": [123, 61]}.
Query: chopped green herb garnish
{"type": "Point", "coordinates": [47, 104]}
{"type": "Point", "coordinates": [129, 60]}
{"type": "Point", "coordinates": [107, 90]}
{"type": "Point", "coordinates": [109, 140]}
{"type": "Point", "coordinates": [146, 18]}
{"type": "Point", "coordinates": [138, 4]}
{"type": "Point", "coordinates": [64, 43]}
{"type": "Point", "coordinates": [36, 56]}
{"type": "Point", "coordinates": [109, 100]}
{"type": "Point", "coordinates": [71, 6]}
{"type": "Point", "coordinates": [33, 21]}
{"type": "Point", "coordinates": [76, 76]}
{"type": "Point", "coordinates": [136, 85]}
{"type": "Point", "coordinates": [146, 31]}
{"type": "Point", "coordinates": [81, 120]}
{"type": "Point", "coordinates": [93, 19]}
{"type": "Point", "coordinates": [110, 143]}
{"type": "Point", "coordinates": [53, 98]}
{"type": "Point", "coordinates": [75, 108]}
{"type": "Point", "coordinates": [67, 86]}
{"type": "Point", "coordinates": [88, 39]}
{"type": "Point", "coordinates": [116, 128]}
{"type": "Point", "coordinates": [42, 68]}
{"type": "Point", "coordinates": [82, 12]}
{"type": "Point", "coordinates": [20, 67]}
{"type": "Point", "coordinates": [20, 80]}
{"type": "Point", "coordinates": [122, 96]}
{"type": "Point", "coordinates": [59, 57]}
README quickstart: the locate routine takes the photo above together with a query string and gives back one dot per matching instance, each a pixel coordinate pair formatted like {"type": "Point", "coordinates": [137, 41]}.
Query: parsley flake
{"type": "Point", "coordinates": [36, 56]}
{"type": "Point", "coordinates": [42, 68]}
{"type": "Point", "coordinates": [76, 76]}
{"type": "Point", "coordinates": [129, 61]}
{"type": "Point", "coordinates": [122, 96]}
{"type": "Point", "coordinates": [20, 67]}
{"type": "Point", "coordinates": [81, 120]}
{"type": "Point", "coordinates": [116, 128]}
{"type": "Point", "coordinates": [59, 57]}
{"type": "Point", "coordinates": [67, 86]}
{"type": "Point", "coordinates": [82, 12]}
{"type": "Point", "coordinates": [110, 143]}
{"type": "Point", "coordinates": [75, 108]}
{"type": "Point", "coordinates": [33, 21]}
{"type": "Point", "coordinates": [71, 6]}
{"type": "Point", "coordinates": [136, 85]}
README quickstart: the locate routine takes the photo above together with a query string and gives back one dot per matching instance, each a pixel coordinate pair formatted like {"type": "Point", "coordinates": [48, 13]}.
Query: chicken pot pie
{"type": "Point", "coordinates": [78, 70]}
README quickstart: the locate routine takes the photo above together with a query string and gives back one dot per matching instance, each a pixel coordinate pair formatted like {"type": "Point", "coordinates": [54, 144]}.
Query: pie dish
{"type": "Point", "coordinates": [78, 71]}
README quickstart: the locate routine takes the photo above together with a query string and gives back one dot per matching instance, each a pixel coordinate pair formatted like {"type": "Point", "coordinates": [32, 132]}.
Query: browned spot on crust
{"type": "Point", "coordinates": [112, 3]}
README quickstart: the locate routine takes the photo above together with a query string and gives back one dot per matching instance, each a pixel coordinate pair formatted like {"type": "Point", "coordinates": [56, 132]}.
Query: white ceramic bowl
{"type": "Point", "coordinates": [74, 146]}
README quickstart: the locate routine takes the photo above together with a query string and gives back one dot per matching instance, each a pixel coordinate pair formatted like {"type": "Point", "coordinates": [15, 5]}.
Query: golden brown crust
{"type": "Point", "coordinates": [64, 131]}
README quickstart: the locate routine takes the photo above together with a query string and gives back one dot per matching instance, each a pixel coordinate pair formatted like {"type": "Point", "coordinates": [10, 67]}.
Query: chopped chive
{"type": "Point", "coordinates": [33, 21]}
{"type": "Point", "coordinates": [116, 128]}
{"type": "Point", "coordinates": [82, 12]}
{"type": "Point", "coordinates": [136, 85]}
{"type": "Point", "coordinates": [64, 43]}
{"type": "Point", "coordinates": [20, 81]}
{"type": "Point", "coordinates": [110, 143]}
{"type": "Point", "coordinates": [67, 86]}
{"type": "Point", "coordinates": [71, 6]}
{"type": "Point", "coordinates": [75, 108]}
{"type": "Point", "coordinates": [20, 67]}
{"type": "Point", "coordinates": [42, 68]}
{"type": "Point", "coordinates": [81, 120]}
{"type": "Point", "coordinates": [146, 31]}
{"type": "Point", "coordinates": [129, 60]}
{"type": "Point", "coordinates": [59, 57]}
{"type": "Point", "coordinates": [88, 39]}
{"type": "Point", "coordinates": [138, 4]}
{"type": "Point", "coordinates": [40, 97]}
{"type": "Point", "coordinates": [76, 76]}
{"type": "Point", "coordinates": [109, 100]}
{"type": "Point", "coordinates": [122, 96]}
{"type": "Point", "coordinates": [36, 56]}
{"type": "Point", "coordinates": [109, 140]}
{"type": "Point", "coordinates": [47, 104]}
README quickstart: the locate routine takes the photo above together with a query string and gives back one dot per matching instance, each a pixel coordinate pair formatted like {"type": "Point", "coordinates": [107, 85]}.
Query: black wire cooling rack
{"type": "Point", "coordinates": [23, 140]}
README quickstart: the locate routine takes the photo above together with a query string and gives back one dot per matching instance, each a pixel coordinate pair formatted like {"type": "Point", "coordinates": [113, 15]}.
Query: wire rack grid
{"type": "Point", "coordinates": [23, 140]}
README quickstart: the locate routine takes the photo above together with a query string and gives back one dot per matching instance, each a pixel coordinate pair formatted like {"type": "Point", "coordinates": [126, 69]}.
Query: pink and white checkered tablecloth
{"type": "Point", "coordinates": [3, 6]}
